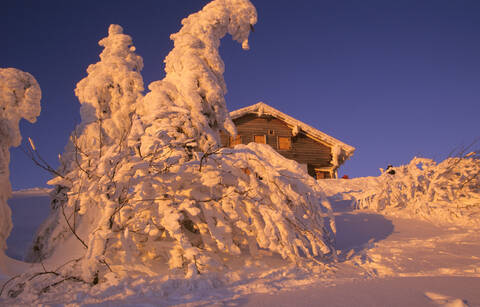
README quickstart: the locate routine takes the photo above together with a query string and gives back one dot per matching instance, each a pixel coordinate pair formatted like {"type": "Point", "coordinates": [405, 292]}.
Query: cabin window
{"type": "Point", "coordinates": [235, 140]}
{"type": "Point", "coordinates": [260, 139]}
{"type": "Point", "coordinates": [271, 132]}
{"type": "Point", "coordinates": [284, 143]}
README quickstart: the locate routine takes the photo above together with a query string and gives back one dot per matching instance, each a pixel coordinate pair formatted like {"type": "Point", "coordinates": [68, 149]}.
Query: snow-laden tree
{"type": "Point", "coordinates": [194, 82]}
{"type": "Point", "coordinates": [20, 97]}
{"type": "Point", "coordinates": [447, 192]}
{"type": "Point", "coordinates": [203, 204]}
{"type": "Point", "coordinates": [108, 97]}
{"type": "Point", "coordinates": [168, 196]}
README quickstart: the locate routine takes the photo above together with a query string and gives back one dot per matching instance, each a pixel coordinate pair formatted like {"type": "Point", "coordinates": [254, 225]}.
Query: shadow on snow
{"type": "Point", "coordinates": [358, 230]}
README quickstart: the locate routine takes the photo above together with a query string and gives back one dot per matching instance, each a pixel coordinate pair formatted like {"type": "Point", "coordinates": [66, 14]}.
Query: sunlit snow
{"type": "Point", "coordinates": [148, 209]}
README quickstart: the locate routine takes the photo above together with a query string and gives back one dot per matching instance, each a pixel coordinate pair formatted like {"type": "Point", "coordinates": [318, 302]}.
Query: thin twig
{"type": "Point", "coordinates": [71, 229]}
{"type": "Point", "coordinates": [43, 273]}
{"type": "Point", "coordinates": [7, 282]}
{"type": "Point", "coordinates": [45, 289]}
{"type": "Point", "coordinates": [106, 264]}
{"type": "Point", "coordinates": [77, 150]}
{"type": "Point", "coordinates": [206, 154]}
{"type": "Point", "coordinates": [35, 157]}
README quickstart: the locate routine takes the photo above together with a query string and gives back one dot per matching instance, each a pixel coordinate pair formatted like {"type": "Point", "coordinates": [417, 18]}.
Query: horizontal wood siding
{"type": "Point", "coordinates": [307, 151]}
{"type": "Point", "coordinates": [224, 139]}
{"type": "Point", "coordinates": [304, 150]}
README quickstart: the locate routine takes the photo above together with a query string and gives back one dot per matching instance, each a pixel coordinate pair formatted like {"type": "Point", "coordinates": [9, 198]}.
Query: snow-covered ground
{"type": "Point", "coordinates": [30, 208]}
{"type": "Point", "coordinates": [383, 261]}
{"type": "Point", "coordinates": [148, 210]}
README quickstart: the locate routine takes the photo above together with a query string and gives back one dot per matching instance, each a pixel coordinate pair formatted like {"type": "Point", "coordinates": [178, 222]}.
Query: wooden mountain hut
{"type": "Point", "coordinates": [320, 154]}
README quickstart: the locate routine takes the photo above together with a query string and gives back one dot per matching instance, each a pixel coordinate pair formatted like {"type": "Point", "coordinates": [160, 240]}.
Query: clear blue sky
{"type": "Point", "coordinates": [394, 79]}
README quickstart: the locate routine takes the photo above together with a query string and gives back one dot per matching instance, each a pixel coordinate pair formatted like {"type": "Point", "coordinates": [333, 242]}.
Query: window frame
{"type": "Point", "coordinates": [264, 136]}
{"type": "Point", "coordinates": [289, 142]}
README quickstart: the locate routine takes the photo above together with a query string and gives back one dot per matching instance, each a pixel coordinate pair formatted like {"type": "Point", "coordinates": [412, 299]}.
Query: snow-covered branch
{"type": "Point", "coordinates": [192, 95]}
{"type": "Point", "coordinates": [447, 192]}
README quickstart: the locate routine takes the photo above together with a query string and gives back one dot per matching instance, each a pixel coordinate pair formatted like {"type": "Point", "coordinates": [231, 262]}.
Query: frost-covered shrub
{"type": "Point", "coordinates": [159, 191]}
{"type": "Point", "coordinates": [444, 192]}
{"type": "Point", "coordinates": [20, 97]}
{"type": "Point", "coordinates": [186, 215]}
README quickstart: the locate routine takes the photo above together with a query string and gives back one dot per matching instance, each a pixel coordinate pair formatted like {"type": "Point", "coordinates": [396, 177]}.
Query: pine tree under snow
{"type": "Point", "coordinates": [145, 184]}
{"type": "Point", "coordinates": [20, 97]}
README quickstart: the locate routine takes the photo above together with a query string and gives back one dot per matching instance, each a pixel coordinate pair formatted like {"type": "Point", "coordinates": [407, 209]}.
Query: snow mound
{"type": "Point", "coordinates": [341, 189]}
{"type": "Point", "coordinates": [445, 300]}
{"type": "Point", "coordinates": [447, 192]}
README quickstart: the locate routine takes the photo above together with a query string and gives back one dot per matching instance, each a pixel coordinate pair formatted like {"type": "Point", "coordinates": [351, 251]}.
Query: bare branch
{"type": "Point", "coordinates": [39, 161]}
{"type": "Point", "coordinates": [73, 278]}
{"type": "Point", "coordinates": [71, 228]}
{"type": "Point", "coordinates": [7, 282]}
{"type": "Point", "coordinates": [77, 150]}
{"type": "Point", "coordinates": [43, 273]}
{"type": "Point", "coordinates": [206, 155]}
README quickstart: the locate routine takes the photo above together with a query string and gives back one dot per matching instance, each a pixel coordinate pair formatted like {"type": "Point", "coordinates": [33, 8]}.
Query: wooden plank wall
{"type": "Point", "coordinates": [304, 149]}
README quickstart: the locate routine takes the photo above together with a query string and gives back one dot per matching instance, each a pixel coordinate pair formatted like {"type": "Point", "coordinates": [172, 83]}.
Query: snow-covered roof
{"type": "Point", "coordinates": [262, 108]}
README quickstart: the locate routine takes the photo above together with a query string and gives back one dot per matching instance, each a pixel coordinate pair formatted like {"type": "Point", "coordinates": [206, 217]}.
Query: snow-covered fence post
{"type": "Point", "coordinates": [20, 97]}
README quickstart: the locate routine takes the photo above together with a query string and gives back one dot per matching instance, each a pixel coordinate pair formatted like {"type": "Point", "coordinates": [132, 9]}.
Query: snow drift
{"type": "Point", "coordinates": [447, 192]}
{"type": "Point", "coordinates": [144, 185]}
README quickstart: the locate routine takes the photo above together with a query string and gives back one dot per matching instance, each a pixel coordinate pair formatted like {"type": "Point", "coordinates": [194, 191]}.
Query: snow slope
{"type": "Point", "coordinates": [382, 261]}
{"type": "Point", "coordinates": [30, 208]}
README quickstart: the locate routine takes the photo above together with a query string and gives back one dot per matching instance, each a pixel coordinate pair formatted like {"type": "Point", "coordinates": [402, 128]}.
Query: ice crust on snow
{"type": "Point", "coordinates": [20, 97]}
